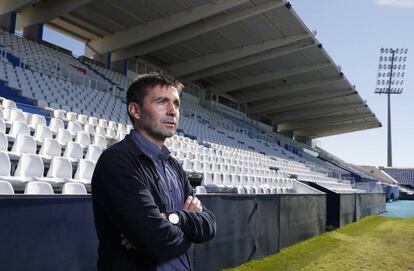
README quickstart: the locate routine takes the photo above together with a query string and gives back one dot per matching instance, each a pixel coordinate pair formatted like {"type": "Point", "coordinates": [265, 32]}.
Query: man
{"type": "Point", "coordinates": [145, 214]}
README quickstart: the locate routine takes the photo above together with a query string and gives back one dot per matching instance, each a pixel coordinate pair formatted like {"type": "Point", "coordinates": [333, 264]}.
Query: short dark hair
{"type": "Point", "coordinates": [144, 82]}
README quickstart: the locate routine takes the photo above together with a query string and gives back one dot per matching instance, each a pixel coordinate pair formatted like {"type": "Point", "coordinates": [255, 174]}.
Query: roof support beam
{"type": "Point", "coordinates": [193, 30]}
{"type": "Point", "coordinates": [273, 106]}
{"type": "Point", "coordinates": [214, 59]}
{"type": "Point", "coordinates": [265, 94]}
{"type": "Point", "coordinates": [249, 81]}
{"type": "Point", "coordinates": [308, 124]}
{"type": "Point", "coordinates": [243, 61]}
{"type": "Point", "coordinates": [46, 11]}
{"type": "Point", "coordinates": [337, 129]}
{"type": "Point", "coordinates": [313, 111]}
{"type": "Point", "coordinates": [89, 26]}
{"type": "Point", "coordinates": [73, 28]}
{"type": "Point", "coordinates": [158, 27]}
{"type": "Point", "coordinates": [15, 5]}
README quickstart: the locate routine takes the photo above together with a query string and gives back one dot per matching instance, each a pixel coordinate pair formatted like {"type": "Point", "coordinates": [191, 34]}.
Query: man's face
{"type": "Point", "coordinates": [159, 114]}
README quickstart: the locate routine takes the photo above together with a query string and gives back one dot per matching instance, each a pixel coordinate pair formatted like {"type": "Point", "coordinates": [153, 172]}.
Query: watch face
{"type": "Point", "coordinates": [173, 218]}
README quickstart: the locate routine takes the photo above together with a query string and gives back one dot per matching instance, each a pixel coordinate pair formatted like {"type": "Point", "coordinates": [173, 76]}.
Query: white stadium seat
{"type": "Point", "coordinates": [84, 171]}
{"type": "Point", "coordinates": [50, 148]}
{"type": "Point", "coordinates": [56, 124]}
{"type": "Point", "coordinates": [72, 188]}
{"type": "Point", "coordinates": [100, 141]}
{"type": "Point", "coordinates": [37, 120]}
{"type": "Point", "coordinates": [73, 151]}
{"type": "Point", "coordinates": [83, 139]}
{"type": "Point", "coordinates": [93, 152]}
{"type": "Point", "coordinates": [60, 171]}
{"type": "Point", "coordinates": [19, 128]}
{"type": "Point", "coordinates": [2, 126]}
{"type": "Point", "coordinates": [6, 188]}
{"type": "Point", "coordinates": [42, 132]}
{"type": "Point", "coordinates": [74, 128]}
{"type": "Point", "coordinates": [64, 136]}
{"type": "Point", "coordinates": [23, 144]}
{"type": "Point", "coordinates": [38, 188]}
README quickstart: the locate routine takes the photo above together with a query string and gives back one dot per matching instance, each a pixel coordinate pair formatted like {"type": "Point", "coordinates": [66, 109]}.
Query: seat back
{"type": "Point", "coordinates": [59, 114]}
{"type": "Point", "coordinates": [100, 141]}
{"type": "Point", "coordinates": [60, 167]}
{"type": "Point", "coordinates": [38, 188]}
{"type": "Point", "coordinates": [93, 121]}
{"type": "Point", "coordinates": [74, 189]}
{"type": "Point", "coordinates": [103, 123]}
{"type": "Point", "coordinates": [42, 132]}
{"type": "Point", "coordinates": [85, 169]}
{"type": "Point", "coordinates": [50, 147]}
{"type": "Point", "coordinates": [89, 129]}
{"type": "Point", "coordinates": [82, 118]}
{"type": "Point", "coordinates": [6, 188]}
{"type": "Point", "coordinates": [55, 124]}
{"type": "Point", "coordinates": [24, 144]}
{"type": "Point", "coordinates": [74, 127]}
{"type": "Point", "coordinates": [30, 165]}
{"type": "Point", "coordinates": [5, 164]}
{"type": "Point", "coordinates": [63, 136]}
{"type": "Point", "coordinates": [71, 116]}
{"type": "Point", "coordinates": [37, 120]}
{"type": "Point", "coordinates": [100, 131]}
{"type": "Point", "coordinates": [16, 115]}
{"type": "Point", "coordinates": [9, 103]}
{"type": "Point", "coordinates": [4, 144]}
{"type": "Point", "coordinates": [93, 152]}
{"type": "Point", "coordinates": [83, 139]}
{"type": "Point", "coordinates": [19, 127]}
{"type": "Point", "coordinates": [73, 150]}
{"type": "Point", "coordinates": [2, 126]}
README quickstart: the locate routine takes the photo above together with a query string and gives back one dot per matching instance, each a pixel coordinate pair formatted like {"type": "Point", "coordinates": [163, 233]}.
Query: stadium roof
{"type": "Point", "coordinates": [256, 53]}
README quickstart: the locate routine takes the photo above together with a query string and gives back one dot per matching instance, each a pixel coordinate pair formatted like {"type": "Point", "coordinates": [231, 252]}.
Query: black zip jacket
{"type": "Point", "coordinates": [127, 200]}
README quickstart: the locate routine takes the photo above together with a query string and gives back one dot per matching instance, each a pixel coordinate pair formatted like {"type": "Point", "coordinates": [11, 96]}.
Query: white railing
{"type": "Point", "coordinates": [4, 52]}
{"type": "Point", "coordinates": [61, 70]}
{"type": "Point", "coordinates": [369, 187]}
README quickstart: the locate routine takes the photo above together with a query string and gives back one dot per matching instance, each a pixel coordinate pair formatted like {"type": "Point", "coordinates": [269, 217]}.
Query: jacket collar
{"type": "Point", "coordinates": [147, 148]}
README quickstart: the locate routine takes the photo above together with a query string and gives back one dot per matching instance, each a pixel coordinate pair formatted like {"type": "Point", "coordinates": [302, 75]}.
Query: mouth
{"type": "Point", "coordinates": [170, 123]}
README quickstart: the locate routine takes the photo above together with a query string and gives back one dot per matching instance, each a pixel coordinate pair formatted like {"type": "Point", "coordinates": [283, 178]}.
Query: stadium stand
{"type": "Point", "coordinates": [404, 176]}
{"type": "Point", "coordinates": [76, 122]}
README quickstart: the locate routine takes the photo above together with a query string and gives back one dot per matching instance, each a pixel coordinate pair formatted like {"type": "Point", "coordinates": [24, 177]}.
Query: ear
{"type": "Point", "coordinates": [134, 110]}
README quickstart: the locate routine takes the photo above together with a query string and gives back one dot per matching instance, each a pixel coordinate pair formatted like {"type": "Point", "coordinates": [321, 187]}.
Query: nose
{"type": "Point", "coordinates": [172, 109]}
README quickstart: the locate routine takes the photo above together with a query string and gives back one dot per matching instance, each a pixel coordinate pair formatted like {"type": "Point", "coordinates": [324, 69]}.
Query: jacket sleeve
{"type": "Point", "coordinates": [130, 206]}
{"type": "Point", "coordinates": [198, 227]}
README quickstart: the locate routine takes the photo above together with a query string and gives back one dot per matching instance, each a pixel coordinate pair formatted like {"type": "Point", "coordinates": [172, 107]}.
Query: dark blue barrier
{"type": "Point", "coordinates": [345, 208]}
{"type": "Point", "coordinates": [253, 226]}
{"type": "Point", "coordinates": [47, 233]}
{"type": "Point", "coordinates": [58, 233]}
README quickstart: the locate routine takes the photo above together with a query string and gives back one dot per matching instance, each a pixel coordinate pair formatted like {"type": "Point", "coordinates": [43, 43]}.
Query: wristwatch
{"type": "Point", "coordinates": [174, 218]}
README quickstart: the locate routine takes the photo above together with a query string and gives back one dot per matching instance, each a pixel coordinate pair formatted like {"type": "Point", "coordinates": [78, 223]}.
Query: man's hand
{"type": "Point", "coordinates": [193, 204]}
{"type": "Point", "coordinates": [126, 243]}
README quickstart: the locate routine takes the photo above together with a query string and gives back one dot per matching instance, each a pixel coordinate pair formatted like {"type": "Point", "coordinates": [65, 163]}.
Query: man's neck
{"type": "Point", "coordinates": [159, 143]}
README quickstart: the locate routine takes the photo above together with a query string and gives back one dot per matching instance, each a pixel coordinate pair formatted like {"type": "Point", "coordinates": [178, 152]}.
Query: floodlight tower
{"type": "Point", "coordinates": [390, 80]}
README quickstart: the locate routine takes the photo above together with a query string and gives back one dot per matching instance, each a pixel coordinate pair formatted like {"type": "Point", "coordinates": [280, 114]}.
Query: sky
{"type": "Point", "coordinates": [352, 32]}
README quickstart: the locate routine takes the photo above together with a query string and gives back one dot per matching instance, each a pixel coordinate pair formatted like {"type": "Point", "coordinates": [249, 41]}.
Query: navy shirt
{"type": "Point", "coordinates": [171, 187]}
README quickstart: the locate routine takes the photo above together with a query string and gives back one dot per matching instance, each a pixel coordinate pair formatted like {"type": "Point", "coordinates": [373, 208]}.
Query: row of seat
{"type": "Point", "coordinates": [31, 168]}
{"type": "Point", "coordinates": [74, 122]}
{"type": "Point", "coordinates": [48, 148]}
{"type": "Point", "coordinates": [43, 188]}
{"type": "Point", "coordinates": [63, 136]}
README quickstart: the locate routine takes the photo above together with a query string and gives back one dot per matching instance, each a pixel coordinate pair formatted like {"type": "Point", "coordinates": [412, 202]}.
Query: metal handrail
{"type": "Point", "coordinates": [59, 69]}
